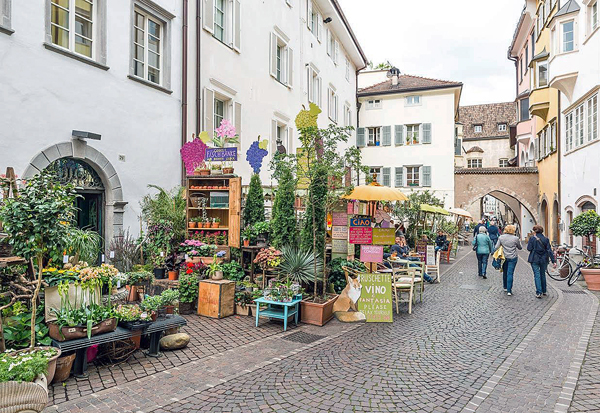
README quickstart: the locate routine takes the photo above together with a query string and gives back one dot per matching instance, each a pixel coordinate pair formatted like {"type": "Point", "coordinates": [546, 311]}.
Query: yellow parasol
{"type": "Point", "coordinates": [460, 212]}
{"type": "Point", "coordinates": [376, 192]}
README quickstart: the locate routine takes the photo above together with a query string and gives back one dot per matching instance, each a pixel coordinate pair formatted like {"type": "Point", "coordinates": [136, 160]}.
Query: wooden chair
{"type": "Point", "coordinates": [446, 254]}
{"type": "Point", "coordinates": [434, 269]}
{"type": "Point", "coordinates": [419, 268]}
{"type": "Point", "coordinates": [403, 281]}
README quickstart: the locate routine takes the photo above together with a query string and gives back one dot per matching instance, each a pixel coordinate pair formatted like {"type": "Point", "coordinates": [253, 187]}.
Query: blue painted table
{"type": "Point", "coordinates": [279, 310]}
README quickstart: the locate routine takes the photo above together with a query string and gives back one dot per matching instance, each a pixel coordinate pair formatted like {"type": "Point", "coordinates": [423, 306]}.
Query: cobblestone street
{"type": "Point", "coordinates": [467, 347]}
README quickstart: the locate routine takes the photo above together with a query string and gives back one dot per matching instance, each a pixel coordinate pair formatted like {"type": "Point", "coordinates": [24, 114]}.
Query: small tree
{"type": "Point", "coordinates": [585, 224]}
{"type": "Point", "coordinates": [283, 219]}
{"type": "Point", "coordinates": [254, 211]}
{"type": "Point", "coordinates": [410, 211]}
{"type": "Point", "coordinates": [38, 222]}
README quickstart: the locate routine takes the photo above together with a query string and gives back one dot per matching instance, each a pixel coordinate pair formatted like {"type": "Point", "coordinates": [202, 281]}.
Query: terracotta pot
{"type": "Point", "coordinates": [228, 171]}
{"type": "Point", "coordinates": [592, 278]}
{"type": "Point", "coordinates": [242, 310]}
{"type": "Point", "coordinates": [133, 295]}
{"type": "Point", "coordinates": [192, 224]}
{"type": "Point", "coordinates": [246, 243]}
{"type": "Point", "coordinates": [173, 275]}
{"type": "Point", "coordinates": [215, 224]}
{"type": "Point", "coordinates": [136, 338]}
{"type": "Point", "coordinates": [63, 368]}
{"type": "Point", "coordinates": [202, 172]}
{"type": "Point", "coordinates": [209, 260]}
{"type": "Point", "coordinates": [315, 313]}
{"type": "Point", "coordinates": [170, 309]}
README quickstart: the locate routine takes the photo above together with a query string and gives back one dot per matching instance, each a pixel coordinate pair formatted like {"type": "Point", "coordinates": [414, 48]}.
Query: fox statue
{"type": "Point", "coordinates": [345, 308]}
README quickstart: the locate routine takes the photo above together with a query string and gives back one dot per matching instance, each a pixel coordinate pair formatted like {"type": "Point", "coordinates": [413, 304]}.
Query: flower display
{"type": "Point", "coordinates": [131, 312]}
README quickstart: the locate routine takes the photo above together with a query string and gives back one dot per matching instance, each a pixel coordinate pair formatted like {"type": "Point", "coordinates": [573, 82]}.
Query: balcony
{"type": "Point", "coordinates": [564, 69]}
{"type": "Point", "coordinates": [539, 102]}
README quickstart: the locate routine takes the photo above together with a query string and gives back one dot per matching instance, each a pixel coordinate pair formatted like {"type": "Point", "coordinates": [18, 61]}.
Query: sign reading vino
{"type": "Point", "coordinates": [376, 297]}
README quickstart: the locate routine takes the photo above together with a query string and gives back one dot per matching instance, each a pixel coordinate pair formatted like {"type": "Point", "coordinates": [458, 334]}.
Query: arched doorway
{"type": "Point", "coordinates": [89, 187]}
{"type": "Point", "coordinates": [544, 215]}
{"type": "Point", "coordinates": [569, 221]}
{"type": "Point", "coordinates": [555, 222]}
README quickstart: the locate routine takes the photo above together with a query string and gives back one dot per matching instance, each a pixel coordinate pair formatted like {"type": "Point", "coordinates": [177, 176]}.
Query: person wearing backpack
{"type": "Point", "coordinates": [510, 244]}
{"type": "Point", "coordinates": [483, 247]}
{"type": "Point", "coordinates": [540, 253]}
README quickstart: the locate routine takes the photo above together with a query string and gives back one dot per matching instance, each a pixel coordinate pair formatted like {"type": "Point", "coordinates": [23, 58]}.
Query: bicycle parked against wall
{"type": "Point", "coordinates": [567, 268]}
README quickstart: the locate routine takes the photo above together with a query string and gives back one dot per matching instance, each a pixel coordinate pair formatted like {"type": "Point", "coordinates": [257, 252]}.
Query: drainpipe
{"type": "Point", "coordinates": [184, 73]}
{"type": "Point", "coordinates": [198, 66]}
{"type": "Point", "coordinates": [558, 139]}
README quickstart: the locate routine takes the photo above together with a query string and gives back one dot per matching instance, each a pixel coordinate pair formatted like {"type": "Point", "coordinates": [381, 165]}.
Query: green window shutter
{"type": "Point", "coordinates": [386, 177]}
{"type": "Point", "coordinates": [427, 133]}
{"type": "Point", "coordinates": [399, 176]}
{"type": "Point", "coordinates": [399, 137]}
{"type": "Point", "coordinates": [427, 176]}
{"type": "Point", "coordinates": [387, 136]}
{"type": "Point", "coordinates": [360, 137]}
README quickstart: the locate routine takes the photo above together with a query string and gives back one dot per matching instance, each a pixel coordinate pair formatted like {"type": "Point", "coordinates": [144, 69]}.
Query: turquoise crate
{"type": "Point", "coordinates": [219, 199]}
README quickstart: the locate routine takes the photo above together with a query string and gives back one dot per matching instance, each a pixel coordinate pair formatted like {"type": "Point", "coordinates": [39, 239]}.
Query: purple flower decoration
{"type": "Point", "coordinates": [220, 254]}
{"type": "Point", "coordinates": [192, 154]}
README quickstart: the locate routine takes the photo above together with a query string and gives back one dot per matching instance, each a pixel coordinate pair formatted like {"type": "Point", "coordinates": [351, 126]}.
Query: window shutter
{"type": "Point", "coordinates": [426, 176]}
{"type": "Point", "coordinates": [237, 26]}
{"type": "Point", "coordinates": [209, 111]}
{"type": "Point", "coordinates": [319, 91]}
{"type": "Point", "coordinates": [328, 41]}
{"type": "Point", "coordinates": [237, 122]}
{"type": "Point", "coordinates": [209, 16]}
{"type": "Point", "coordinates": [309, 13]}
{"type": "Point", "coordinates": [309, 84]}
{"type": "Point", "coordinates": [273, 137]}
{"type": "Point", "coordinates": [273, 55]}
{"type": "Point", "coordinates": [399, 176]}
{"type": "Point", "coordinates": [387, 136]}
{"type": "Point", "coordinates": [319, 26]}
{"type": "Point", "coordinates": [289, 144]}
{"type": "Point", "coordinates": [386, 177]}
{"type": "Point", "coordinates": [337, 52]}
{"type": "Point", "coordinates": [290, 66]}
{"type": "Point", "coordinates": [458, 147]}
{"type": "Point", "coordinates": [427, 133]}
{"type": "Point", "coordinates": [399, 139]}
{"type": "Point", "coordinates": [360, 137]}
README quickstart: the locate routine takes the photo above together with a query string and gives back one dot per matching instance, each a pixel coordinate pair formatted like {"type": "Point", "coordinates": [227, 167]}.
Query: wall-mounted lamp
{"type": "Point", "coordinates": [78, 134]}
{"type": "Point", "coordinates": [327, 20]}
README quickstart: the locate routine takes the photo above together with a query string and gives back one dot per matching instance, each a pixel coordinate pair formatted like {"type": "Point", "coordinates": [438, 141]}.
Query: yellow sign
{"type": "Point", "coordinates": [384, 236]}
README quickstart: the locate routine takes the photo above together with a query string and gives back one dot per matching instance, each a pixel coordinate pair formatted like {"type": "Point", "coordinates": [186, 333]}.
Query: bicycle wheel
{"type": "Point", "coordinates": [562, 271]}
{"type": "Point", "coordinates": [574, 276]}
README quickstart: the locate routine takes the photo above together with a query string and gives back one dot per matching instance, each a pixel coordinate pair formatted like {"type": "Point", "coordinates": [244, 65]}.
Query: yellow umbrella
{"type": "Point", "coordinates": [376, 192]}
{"type": "Point", "coordinates": [460, 212]}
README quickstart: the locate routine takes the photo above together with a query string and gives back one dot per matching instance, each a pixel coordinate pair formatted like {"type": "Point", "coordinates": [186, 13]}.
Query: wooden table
{"type": "Point", "coordinates": [249, 251]}
{"type": "Point", "coordinates": [279, 310]}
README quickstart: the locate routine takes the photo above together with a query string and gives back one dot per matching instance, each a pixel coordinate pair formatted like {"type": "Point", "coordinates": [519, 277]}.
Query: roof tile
{"type": "Point", "coordinates": [406, 83]}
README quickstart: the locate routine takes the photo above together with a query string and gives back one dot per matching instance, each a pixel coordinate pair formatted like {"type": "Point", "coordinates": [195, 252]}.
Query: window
{"type": "Point", "coordinates": [412, 134]}
{"type": "Point", "coordinates": [332, 104]}
{"type": "Point", "coordinates": [374, 104]}
{"type": "Point", "coordinates": [457, 146]}
{"type": "Point", "coordinates": [347, 115]}
{"type": "Point", "coordinates": [503, 163]}
{"type": "Point", "coordinates": [72, 25]}
{"type": "Point", "coordinates": [314, 86]}
{"type": "Point", "coordinates": [474, 163]}
{"type": "Point", "coordinates": [280, 136]}
{"type": "Point", "coordinates": [568, 40]}
{"type": "Point", "coordinates": [281, 59]}
{"type": "Point", "coordinates": [553, 146]}
{"type": "Point", "coordinates": [413, 100]}
{"type": "Point", "coordinates": [374, 136]}
{"type": "Point", "coordinates": [399, 177]}
{"type": "Point", "coordinates": [502, 127]}
{"type": "Point", "coordinates": [219, 111]}
{"type": "Point", "coordinates": [579, 125]}
{"type": "Point", "coordinates": [592, 113]}
{"type": "Point", "coordinates": [347, 69]}
{"type": "Point", "coordinates": [375, 172]}
{"type": "Point", "coordinates": [412, 176]}
{"type": "Point", "coordinates": [542, 74]}
{"type": "Point", "coordinates": [147, 47]}
{"type": "Point", "coordinates": [594, 16]}
{"type": "Point", "coordinates": [478, 128]}
{"type": "Point", "coordinates": [5, 17]}
{"type": "Point", "coordinates": [569, 131]}
{"type": "Point", "coordinates": [521, 67]}
{"type": "Point", "coordinates": [526, 58]}
{"type": "Point", "coordinates": [315, 21]}
{"type": "Point", "coordinates": [332, 46]}
{"type": "Point", "coordinates": [219, 29]}
{"type": "Point", "coordinates": [524, 109]}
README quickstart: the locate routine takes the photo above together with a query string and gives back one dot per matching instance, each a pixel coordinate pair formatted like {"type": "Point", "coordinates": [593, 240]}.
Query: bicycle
{"type": "Point", "coordinates": [563, 271]}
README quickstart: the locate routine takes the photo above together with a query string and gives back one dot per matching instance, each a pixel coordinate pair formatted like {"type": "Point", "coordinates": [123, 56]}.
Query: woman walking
{"type": "Point", "coordinates": [510, 243]}
{"type": "Point", "coordinates": [540, 253]}
{"type": "Point", "coordinates": [494, 231]}
{"type": "Point", "coordinates": [484, 248]}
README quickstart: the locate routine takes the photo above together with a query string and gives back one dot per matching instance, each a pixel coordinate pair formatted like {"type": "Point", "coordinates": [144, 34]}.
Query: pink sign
{"type": "Point", "coordinates": [371, 253]}
{"type": "Point", "coordinates": [360, 235]}
{"type": "Point", "coordinates": [340, 219]}
{"type": "Point", "coordinates": [350, 208]}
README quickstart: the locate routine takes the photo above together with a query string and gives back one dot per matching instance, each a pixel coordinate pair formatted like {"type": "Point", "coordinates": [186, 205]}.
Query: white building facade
{"type": "Point", "coordinates": [574, 69]}
{"type": "Point", "coordinates": [406, 132]}
{"type": "Point", "coordinates": [92, 89]}
{"type": "Point", "coordinates": [260, 63]}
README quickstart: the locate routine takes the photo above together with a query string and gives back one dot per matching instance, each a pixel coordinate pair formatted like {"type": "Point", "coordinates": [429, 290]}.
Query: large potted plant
{"type": "Point", "coordinates": [188, 289]}
{"type": "Point", "coordinates": [587, 225]}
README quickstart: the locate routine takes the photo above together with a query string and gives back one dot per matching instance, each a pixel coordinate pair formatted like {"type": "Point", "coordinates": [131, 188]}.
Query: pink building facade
{"type": "Point", "coordinates": [521, 51]}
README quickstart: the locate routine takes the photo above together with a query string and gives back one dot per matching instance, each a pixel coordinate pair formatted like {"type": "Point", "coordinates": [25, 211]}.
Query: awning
{"type": "Point", "coordinates": [434, 209]}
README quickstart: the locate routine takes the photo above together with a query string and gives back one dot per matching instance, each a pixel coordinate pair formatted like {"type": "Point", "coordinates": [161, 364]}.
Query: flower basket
{"type": "Point", "coordinates": [75, 332]}
{"type": "Point", "coordinates": [202, 172]}
{"type": "Point", "coordinates": [228, 171]}
{"type": "Point", "coordinates": [23, 396]}
{"type": "Point", "coordinates": [216, 172]}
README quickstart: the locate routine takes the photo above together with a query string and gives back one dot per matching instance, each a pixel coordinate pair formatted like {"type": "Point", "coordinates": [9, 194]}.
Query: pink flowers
{"type": "Point", "coordinates": [226, 130]}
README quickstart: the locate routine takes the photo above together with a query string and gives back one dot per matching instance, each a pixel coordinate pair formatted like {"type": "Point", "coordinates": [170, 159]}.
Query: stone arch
{"type": "Point", "coordinates": [79, 149]}
{"type": "Point", "coordinates": [506, 191]}
{"type": "Point", "coordinates": [585, 198]}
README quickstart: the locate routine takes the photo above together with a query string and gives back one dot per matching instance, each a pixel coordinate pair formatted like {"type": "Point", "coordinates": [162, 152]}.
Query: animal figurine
{"type": "Point", "coordinates": [345, 308]}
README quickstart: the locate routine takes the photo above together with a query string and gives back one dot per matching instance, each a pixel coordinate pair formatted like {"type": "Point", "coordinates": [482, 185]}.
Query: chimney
{"type": "Point", "coordinates": [394, 73]}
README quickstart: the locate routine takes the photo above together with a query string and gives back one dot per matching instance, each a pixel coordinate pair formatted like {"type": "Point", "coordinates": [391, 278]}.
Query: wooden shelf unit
{"type": "Point", "coordinates": [230, 217]}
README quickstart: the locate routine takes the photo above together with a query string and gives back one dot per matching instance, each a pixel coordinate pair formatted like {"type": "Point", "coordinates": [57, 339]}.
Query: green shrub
{"type": "Point", "coordinates": [188, 288]}
{"type": "Point", "coordinates": [254, 210]}
{"type": "Point", "coordinates": [233, 271]}
{"type": "Point", "coordinates": [283, 221]}
{"type": "Point", "coordinates": [585, 224]}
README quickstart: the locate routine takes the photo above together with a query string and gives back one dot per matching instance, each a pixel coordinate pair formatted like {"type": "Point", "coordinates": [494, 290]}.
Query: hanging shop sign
{"type": "Point", "coordinates": [339, 232]}
{"type": "Point", "coordinates": [360, 235]}
{"type": "Point", "coordinates": [371, 253]}
{"type": "Point", "coordinates": [221, 154]}
{"type": "Point", "coordinates": [360, 221]}
{"type": "Point", "coordinates": [339, 246]}
{"type": "Point", "coordinates": [375, 300]}
{"type": "Point", "coordinates": [383, 236]}
{"type": "Point", "coordinates": [340, 218]}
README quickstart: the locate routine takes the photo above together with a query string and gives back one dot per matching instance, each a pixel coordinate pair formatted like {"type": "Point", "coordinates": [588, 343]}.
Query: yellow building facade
{"type": "Point", "coordinates": [544, 103]}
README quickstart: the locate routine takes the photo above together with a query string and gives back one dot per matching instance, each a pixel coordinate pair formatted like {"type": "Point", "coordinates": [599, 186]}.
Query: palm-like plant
{"type": "Point", "coordinates": [84, 245]}
{"type": "Point", "coordinates": [299, 265]}
{"type": "Point", "coordinates": [166, 205]}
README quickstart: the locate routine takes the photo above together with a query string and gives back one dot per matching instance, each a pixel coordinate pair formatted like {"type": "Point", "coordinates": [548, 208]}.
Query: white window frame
{"type": "Point", "coordinates": [5, 17]}
{"type": "Point", "coordinates": [475, 163]}
{"type": "Point", "coordinates": [478, 128]}
{"type": "Point", "coordinates": [314, 84]}
{"type": "Point", "coordinates": [315, 20]}
{"type": "Point", "coordinates": [347, 115]}
{"type": "Point", "coordinates": [374, 135]}
{"type": "Point", "coordinates": [592, 118]}
{"type": "Point", "coordinates": [503, 163]}
{"type": "Point", "coordinates": [283, 132]}
{"type": "Point", "coordinates": [374, 104]}
{"type": "Point", "coordinates": [332, 103]}
{"type": "Point", "coordinates": [538, 66]}
{"type": "Point", "coordinates": [412, 130]}
{"type": "Point", "coordinates": [283, 68]}
{"type": "Point", "coordinates": [594, 16]}
{"type": "Point", "coordinates": [146, 34]}
{"type": "Point", "coordinates": [224, 26]}
{"type": "Point", "coordinates": [413, 100]}
{"type": "Point", "coordinates": [413, 175]}
{"type": "Point", "coordinates": [563, 42]}
{"type": "Point", "coordinates": [569, 130]}
{"type": "Point", "coordinates": [580, 121]}
{"type": "Point", "coordinates": [72, 28]}
{"type": "Point", "coordinates": [502, 127]}
{"type": "Point", "coordinates": [347, 69]}
{"type": "Point", "coordinates": [218, 118]}
{"type": "Point", "coordinates": [378, 172]}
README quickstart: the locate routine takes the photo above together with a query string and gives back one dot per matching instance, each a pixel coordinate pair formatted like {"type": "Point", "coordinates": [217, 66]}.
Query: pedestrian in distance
{"type": "Point", "coordinates": [510, 244]}
{"type": "Point", "coordinates": [483, 248]}
{"type": "Point", "coordinates": [540, 253]}
{"type": "Point", "coordinates": [493, 231]}
{"type": "Point", "coordinates": [476, 229]}
{"type": "Point", "coordinates": [440, 241]}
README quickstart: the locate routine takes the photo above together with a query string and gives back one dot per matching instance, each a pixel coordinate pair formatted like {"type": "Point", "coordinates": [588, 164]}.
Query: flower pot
{"type": "Point", "coordinates": [196, 260]}
{"type": "Point", "coordinates": [228, 171]}
{"type": "Point", "coordinates": [105, 326]}
{"type": "Point", "coordinates": [246, 243]}
{"type": "Point", "coordinates": [202, 172]}
{"type": "Point", "coordinates": [217, 275]}
{"type": "Point", "coordinates": [159, 273]}
{"type": "Point", "coordinates": [192, 224]}
{"type": "Point", "coordinates": [133, 294]}
{"type": "Point", "coordinates": [317, 314]}
{"type": "Point", "coordinates": [170, 309]}
{"type": "Point", "coordinates": [63, 368]}
{"type": "Point", "coordinates": [592, 278]}
{"type": "Point", "coordinates": [173, 275]}
{"type": "Point", "coordinates": [187, 308]}
{"type": "Point", "coordinates": [215, 224]}
{"type": "Point", "coordinates": [51, 361]}
{"type": "Point", "coordinates": [242, 310]}
{"type": "Point", "coordinates": [216, 172]}
{"type": "Point", "coordinates": [154, 316]}
{"type": "Point", "coordinates": [23, 396]}
{"type": "Point", "coordinates": [66, 333]}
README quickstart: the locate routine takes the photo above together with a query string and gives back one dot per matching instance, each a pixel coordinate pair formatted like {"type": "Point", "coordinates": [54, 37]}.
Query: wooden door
{"type": "Point", "coordinates": [235, 207]}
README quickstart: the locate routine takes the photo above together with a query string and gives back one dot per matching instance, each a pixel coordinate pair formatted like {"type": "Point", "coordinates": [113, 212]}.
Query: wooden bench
{"type": "Point", "coordinates": [81, 345]}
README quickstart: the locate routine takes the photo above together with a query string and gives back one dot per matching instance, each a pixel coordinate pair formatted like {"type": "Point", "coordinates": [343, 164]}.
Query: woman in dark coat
{"type": "Point", "coordinates": [540, 253]}
{"type": "Point", "coordinates": [494, 232]}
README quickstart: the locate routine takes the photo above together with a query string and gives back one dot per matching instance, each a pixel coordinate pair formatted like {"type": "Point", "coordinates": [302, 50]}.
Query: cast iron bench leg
{"type": "Point", "coordinates": [154, 350]}
{"type": "Point", "coordinates": [80, 365]}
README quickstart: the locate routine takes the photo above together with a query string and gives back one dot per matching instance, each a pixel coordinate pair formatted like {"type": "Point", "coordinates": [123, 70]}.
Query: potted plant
{"type": "Point", "coordinates": [202, 170]}
{"type": "Point", "coordinates": [227, 169]}
{"type": "Point", "coordinates": [243, 300]}
{"type": "Point", "coordinates": [188, 290]}
{"type": "Point", "coordinates": [262, 229]}
{"type": "Point", "coordinates": [132, 317]}
{"type": "Point", "coordinates": [193, 222]}
{"type": "Point", "coordinates": [170, 298]}
{"type": "Point", "coordinates": [216, 222]}
{"type": "Point", "coordinates": [216, 169]}
{"type": "Point", "coordinates": [152, 304]}
{"type": "Point", "coordinates": [136, 279]}
{"type": "Point", "coordinates": [249, 236]}
{"type": "Point", "coordinates": [586, 225]}
{"type": "Point", "coordinates": [215, 271]}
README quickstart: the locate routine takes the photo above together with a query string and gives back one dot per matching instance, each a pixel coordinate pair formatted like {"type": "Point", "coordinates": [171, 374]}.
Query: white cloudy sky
{"type": "Point", "coordinates": [464, 40]}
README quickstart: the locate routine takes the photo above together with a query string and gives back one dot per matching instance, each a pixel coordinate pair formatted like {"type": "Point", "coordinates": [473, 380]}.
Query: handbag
{"type": "Point", "coordinates": [476, 242]}
{"type": "Point", "coordinates": [498, 258]}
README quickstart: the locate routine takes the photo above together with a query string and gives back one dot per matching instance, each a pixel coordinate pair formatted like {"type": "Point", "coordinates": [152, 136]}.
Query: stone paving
{"type": "Point", "coordinates": [466, 347]}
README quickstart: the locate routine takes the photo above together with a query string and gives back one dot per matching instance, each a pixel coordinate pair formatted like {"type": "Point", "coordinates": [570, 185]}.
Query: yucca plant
{"type": "Point", "coordinates": [166, 205]}
{"type": "Point", "coordinates": [84, 245]}
{"type": "Point", "coordinates": [298, 265]}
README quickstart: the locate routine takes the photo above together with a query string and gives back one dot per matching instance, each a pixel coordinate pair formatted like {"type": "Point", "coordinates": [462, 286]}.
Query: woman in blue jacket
{"type": "Point", "coordinates": [540, 253]}
{"type": "Point", "coordinates": [484, 247]}
{"type": "Point", "coordinates": [494, 232]}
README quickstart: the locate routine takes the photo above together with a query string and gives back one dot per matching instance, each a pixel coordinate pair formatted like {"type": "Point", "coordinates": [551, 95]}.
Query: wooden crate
{"type": "Point", "coordinates": [216, 298]}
